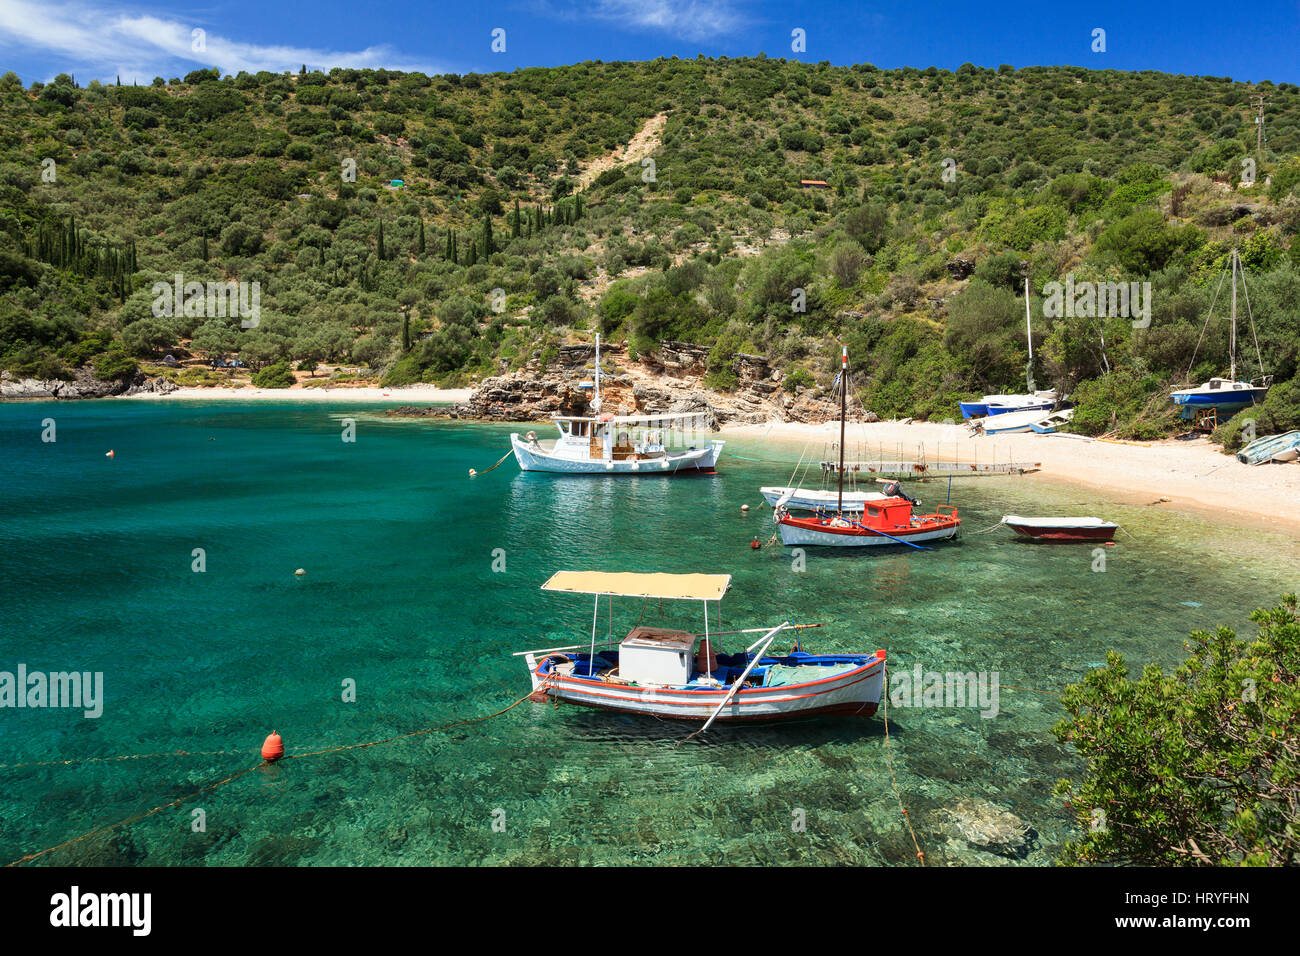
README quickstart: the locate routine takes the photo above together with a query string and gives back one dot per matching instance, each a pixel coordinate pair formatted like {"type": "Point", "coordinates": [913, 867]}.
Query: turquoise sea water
{"type": "Point", "coordinates": [401, 597]}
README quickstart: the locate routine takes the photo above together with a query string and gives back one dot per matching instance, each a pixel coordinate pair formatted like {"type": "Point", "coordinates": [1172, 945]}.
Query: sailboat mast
{"type": "Point", "coordinates": [1029, 338]}
{"type": "Point", "coordinates": [597, 402]}
{"type": "Point", "coordinates": [844, 392]}
{"type": "Point", "coordinates": [1232, 344]}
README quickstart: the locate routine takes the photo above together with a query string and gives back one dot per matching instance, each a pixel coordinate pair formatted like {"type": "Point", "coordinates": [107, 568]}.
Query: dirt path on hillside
{"type": "Point", "coordinates": [641, 145]}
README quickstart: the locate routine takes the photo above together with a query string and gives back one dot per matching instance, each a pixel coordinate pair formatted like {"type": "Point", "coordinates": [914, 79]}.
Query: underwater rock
{"type": "Point", "coordinates": [988, 827]}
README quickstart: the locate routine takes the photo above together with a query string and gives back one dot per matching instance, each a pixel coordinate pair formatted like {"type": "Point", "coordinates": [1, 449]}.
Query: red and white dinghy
{"type": "Point", "coordinates": [670, 673]}
{"type": "Point", "coordinates": [1062, 529]}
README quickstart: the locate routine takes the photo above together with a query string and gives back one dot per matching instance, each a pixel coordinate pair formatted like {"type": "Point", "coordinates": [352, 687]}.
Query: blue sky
{"type": "Point", "coordinates": [139, 40]}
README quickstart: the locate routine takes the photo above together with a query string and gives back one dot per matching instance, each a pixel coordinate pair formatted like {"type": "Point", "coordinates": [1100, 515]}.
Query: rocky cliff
{"type": "Point", "coordinates": [83, 385]}
{"type": "Point", "coordinates": [669, 379]}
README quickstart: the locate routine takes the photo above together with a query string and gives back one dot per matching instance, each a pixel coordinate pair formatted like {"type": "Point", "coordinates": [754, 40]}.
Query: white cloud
{"type": "Point", "coordinates": [690, 19]}
{"type": "Point", "coordinates": [96, 41]}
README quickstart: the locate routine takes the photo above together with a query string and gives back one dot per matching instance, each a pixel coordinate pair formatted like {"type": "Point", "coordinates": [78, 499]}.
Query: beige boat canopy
{"type": "Point", "coordinates": [677, 587]}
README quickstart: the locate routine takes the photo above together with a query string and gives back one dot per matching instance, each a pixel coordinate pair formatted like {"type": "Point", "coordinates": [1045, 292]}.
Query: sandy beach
{"type": "Point", "coordinates": [1193, 474]}
{"type": "Point", "coordinates": [411, 394]}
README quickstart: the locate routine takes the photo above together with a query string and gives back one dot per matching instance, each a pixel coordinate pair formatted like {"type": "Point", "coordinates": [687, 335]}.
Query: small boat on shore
{"type": "Point", "coordinates": [1049, 425]}
{"type": "Point", "coordinates": [664, 672]}
{"type": "Point", "coordinates": [1061, 529]}
{"type": "Point", "coordinates": [1281, 448]}
{"type": "Point", "coordinates": [1221, 398]}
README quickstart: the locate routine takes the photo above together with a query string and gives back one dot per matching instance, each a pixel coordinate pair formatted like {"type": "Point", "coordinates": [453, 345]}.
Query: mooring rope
{"type": "Point", "coordinates": [235, 776]}
{"type": "Point", "coordinates": [889, 753]}
{"type": "Point", "coordinates": [475, 474]}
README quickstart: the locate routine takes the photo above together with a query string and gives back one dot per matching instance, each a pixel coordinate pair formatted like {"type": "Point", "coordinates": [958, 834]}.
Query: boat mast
{"type": "Point", "coordinates": [596, 404]}
{"type": "Point", "coordinates": [844, 391]}
{"type": "Point", "coordinates": [1232, 343]}
{"type": "Point", "coordinates": [1029, 338]}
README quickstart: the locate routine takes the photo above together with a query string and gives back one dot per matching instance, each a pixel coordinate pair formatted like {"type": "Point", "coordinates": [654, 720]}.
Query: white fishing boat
{"type": "Point", "coordinates": [665, 672]}
{"type": "Point", "coordinates": [599, 444]}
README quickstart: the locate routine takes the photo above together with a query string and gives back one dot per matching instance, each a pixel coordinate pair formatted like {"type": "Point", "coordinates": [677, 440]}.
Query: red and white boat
{"type": "Point", "coordinates": [1062, 529]}
{"type": "Point", "coordinates": [671, 673]}
{"type": "Point", "coordinates": [886, 522]}
{"type": "Point", "coordinates": [876, 520]}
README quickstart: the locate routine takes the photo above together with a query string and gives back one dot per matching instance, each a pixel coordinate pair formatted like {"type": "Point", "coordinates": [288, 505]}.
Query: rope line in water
{"type": "Point", "coordinates": [475, 474]}
{"type": "Point", "coordinates": [233, 777]}
{"type": "Point", "coordinates": [893, 780]}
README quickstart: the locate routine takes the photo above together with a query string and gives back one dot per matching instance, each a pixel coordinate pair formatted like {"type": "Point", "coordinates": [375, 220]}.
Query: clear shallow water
{"type": "Point", "coordinates": [400, 596]}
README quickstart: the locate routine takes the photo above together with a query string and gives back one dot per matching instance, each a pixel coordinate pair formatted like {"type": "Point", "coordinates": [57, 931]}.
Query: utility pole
{"type": "Point", "coordinates": [1260, 100]}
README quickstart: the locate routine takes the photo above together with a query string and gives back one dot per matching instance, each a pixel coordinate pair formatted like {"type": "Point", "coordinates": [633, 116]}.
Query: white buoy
{"type": "Point", "coordinates": [300, 573]}
{"type": "Point", "coordinates": [744, 507]}
{"type": "Point", "coordinates": [472, 472]}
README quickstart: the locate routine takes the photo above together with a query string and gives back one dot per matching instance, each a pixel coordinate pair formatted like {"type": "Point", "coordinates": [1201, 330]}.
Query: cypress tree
{"type": "Point", "coordinates": [205, 245]}
{"type": "Point", "coordinates": [380, 249]}
{"type": "Point", "coordinates": [448, 254]}
{"type": "Point", "coordinates": [514, 223]}
{"type": "Point", "coordinates": [487, 235]}
{"type": "Point", "coordinates": [421, 246]}
{"type": "Point", "coordinates": [406, 332]}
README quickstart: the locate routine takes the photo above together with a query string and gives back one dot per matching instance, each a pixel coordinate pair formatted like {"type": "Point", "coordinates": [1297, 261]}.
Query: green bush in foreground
{"type": "Point", "coordinates": [279, 375]}
{"type": "Point", "coordinates": [1197, 767]}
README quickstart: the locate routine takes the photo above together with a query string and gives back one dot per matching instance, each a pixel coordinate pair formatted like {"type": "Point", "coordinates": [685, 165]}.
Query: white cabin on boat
{"type": "Point", "coordinates": [656, 655]}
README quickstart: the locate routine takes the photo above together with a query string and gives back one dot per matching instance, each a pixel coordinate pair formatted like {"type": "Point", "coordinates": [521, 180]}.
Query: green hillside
{"type": "Point", "coordinates": [944, 190]}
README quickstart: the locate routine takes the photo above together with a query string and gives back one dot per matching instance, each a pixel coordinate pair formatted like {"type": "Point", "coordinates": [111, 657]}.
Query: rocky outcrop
{"type": "Point", "coordinates": [961, 268]}
{"type": "Point", "coordinates": [83, 385]}
{"type": "Point", "coordinates": [669, 380]}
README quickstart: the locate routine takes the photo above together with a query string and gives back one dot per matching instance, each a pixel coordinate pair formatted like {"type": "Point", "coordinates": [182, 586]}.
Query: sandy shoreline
{"type": "Point", "coordinates": [1194, 474]}
{"type": "Point", "coordinates": [411, 394]}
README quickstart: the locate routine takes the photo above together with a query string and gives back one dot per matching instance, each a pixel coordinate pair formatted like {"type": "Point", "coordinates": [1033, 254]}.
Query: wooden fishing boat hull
{"type": "Point", "coordinates": [821, 532]}
{"type": "Point", "coordinates": [694, 461]}
{"type": "Point", "coordinates": [854, 692]}
{"type": "Point", "coordinates": [1062, 529]}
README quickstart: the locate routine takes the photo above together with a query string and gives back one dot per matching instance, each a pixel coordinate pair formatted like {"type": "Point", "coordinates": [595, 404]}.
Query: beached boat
{"type": "Point", "coordinates": [1224, 397]}
{"type": "Point", "coordinates": [1010, 423]}
{"type": "Point", "coordinates": [1007, 404]}
{"type": "Point", "coordinates": [1061, 529]}
{"type": "Point", "coordinates": [1280, 448]}
{"type": "Point", "coordinates": [1049, 424]}
{"type": "Point", "coordinates": [604, 444]}
{"type": "Point", "coordinates": [671, 673]}
{"type": "Point", "coordinates": [883, 521]}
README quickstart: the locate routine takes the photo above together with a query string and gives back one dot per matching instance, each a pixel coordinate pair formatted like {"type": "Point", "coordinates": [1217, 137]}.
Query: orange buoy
{"type": "Point", "coordinates": [272, 748]}
{"type": "Point", "coordinates": [755, 544]}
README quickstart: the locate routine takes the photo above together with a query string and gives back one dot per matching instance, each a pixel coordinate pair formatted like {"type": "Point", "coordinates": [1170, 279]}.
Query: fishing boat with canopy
{"type": "Point", "coordinates": [666, 672]}
{"type": "Point", "coordinates": [887, 519]}
{"type": "Point", "coordinates": [602, 443]}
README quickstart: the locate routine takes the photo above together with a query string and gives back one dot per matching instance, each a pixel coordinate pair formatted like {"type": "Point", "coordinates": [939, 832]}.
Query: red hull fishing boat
{"type": "Point", "coordinates": [888, 520]}
{"type": "Point", "coordinates": [1061, 529]}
